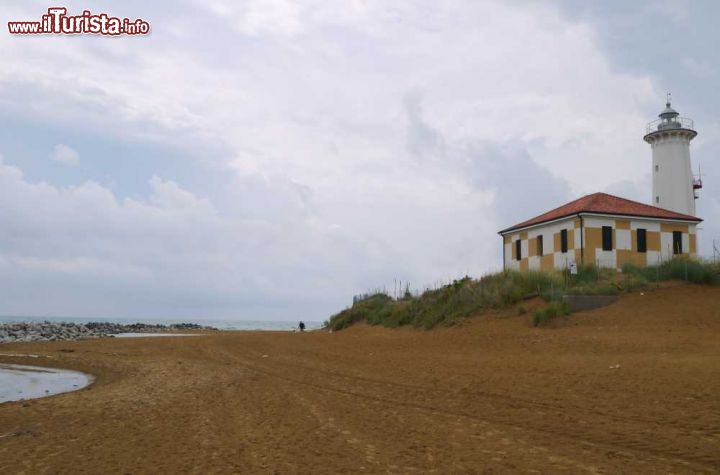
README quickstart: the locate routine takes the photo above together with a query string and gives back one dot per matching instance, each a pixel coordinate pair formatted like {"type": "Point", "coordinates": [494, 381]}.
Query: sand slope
{"type": "Point", "coordinates": [492, 396]}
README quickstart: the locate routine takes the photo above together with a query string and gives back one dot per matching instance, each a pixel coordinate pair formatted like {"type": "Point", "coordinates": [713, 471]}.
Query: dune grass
{"type": "Point", "coordinates": [444, 306]}
{"type": "Point", "coordinates": [680, 268]}
{"type": "Point", "coordinates": [465, 297]}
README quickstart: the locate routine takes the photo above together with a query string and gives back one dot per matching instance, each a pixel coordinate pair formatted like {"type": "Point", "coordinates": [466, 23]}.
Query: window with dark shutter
{"type": "Point", "coordinates": [641, 240]}
{"type": "Point", "coordinates": [677, 242]}
{"type": "Point", "coordinates": [518, 247]}
{"type": "Point", "coordinates": [539, 245]}
{"type": "Point", "coordinates": [607, 241]}
{"type": "Point", "coordinates": [563, 241]}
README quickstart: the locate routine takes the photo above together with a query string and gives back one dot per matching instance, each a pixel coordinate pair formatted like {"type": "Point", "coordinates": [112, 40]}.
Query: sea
{"type": "Point", "coordinates": [234, 325]}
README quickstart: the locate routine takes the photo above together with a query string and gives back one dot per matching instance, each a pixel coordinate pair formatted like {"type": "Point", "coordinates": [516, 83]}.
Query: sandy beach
{"type": "Point", "coordinates": [630, 388]}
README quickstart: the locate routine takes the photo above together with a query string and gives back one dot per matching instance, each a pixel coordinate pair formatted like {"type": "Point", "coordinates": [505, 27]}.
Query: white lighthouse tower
{"type": "Point", "coordinates": [674, 186]}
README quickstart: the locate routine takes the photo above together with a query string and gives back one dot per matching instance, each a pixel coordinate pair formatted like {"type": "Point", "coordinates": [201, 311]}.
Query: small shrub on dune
{"type": "Point", "coordinates": [398, 314]}
{"type": "Point", "coordinates": [551, 311]}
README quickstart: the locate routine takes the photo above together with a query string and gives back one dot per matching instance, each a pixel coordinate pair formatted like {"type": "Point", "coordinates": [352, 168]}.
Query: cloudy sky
{"type": "Point", "coordinates": [270, 158]}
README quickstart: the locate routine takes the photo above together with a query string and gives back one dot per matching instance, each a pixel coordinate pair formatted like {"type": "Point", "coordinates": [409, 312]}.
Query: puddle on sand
{"type": "Point", "coordinates": [143, 335]}
{"type": "Point", "coordinates": [20, 382]}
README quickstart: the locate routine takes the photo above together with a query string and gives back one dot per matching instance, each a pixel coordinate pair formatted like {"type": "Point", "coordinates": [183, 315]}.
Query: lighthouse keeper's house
{"type": "Point", "coordinates": [599, 229]}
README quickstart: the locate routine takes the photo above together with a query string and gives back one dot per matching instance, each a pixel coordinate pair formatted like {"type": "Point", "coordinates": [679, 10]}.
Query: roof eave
{"type": "Point", "coordinates": [592, 213]}
{"type": "Point", "coordinates": [520, 228]}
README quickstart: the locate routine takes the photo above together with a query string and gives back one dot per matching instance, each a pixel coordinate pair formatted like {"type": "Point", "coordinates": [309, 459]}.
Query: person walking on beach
{"type": "Point", "coordinates": [301, 326]}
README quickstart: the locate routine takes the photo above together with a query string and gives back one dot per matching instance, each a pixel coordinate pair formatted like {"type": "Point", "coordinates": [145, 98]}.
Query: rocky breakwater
{"type": "Point", "coordinates": [51, 331]}
{"type": "Point", "coordinates": [115, 328]}
{"type": "Point", "coordinates": [45, 331]}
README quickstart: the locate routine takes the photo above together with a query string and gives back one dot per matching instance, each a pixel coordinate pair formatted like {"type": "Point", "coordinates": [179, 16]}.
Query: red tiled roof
{"type": "Point", "coordinates": [602, 203]}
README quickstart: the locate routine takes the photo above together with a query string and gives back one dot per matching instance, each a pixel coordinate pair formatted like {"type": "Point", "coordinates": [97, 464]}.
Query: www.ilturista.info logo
{"type": "Point", "coordinates": [57, 22]}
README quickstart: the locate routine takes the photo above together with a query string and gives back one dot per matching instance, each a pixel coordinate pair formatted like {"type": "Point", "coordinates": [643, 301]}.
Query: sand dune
{"type": "Point", "coordinates": [631, 388]}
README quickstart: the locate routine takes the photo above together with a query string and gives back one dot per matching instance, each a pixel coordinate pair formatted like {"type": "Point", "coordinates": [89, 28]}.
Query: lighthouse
{"type": "Point", "coordinates": [673, 185]}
